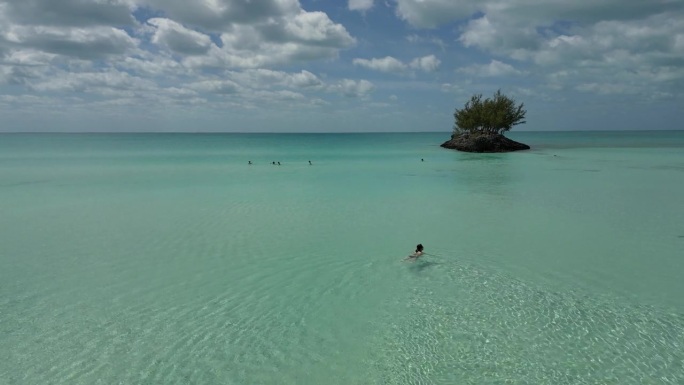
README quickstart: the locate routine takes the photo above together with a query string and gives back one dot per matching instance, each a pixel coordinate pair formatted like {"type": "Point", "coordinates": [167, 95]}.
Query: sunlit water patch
{"type": "Point", "coordinates": [472, 325]}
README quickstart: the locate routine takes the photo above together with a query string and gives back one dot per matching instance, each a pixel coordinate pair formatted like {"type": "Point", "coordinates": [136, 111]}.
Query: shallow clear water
{"type": "Point", "coordinates": [167, 259]}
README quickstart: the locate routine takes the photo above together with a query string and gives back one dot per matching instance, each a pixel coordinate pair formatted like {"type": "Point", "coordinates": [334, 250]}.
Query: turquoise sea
{"type": "Point", "coordinates": [167, 259]}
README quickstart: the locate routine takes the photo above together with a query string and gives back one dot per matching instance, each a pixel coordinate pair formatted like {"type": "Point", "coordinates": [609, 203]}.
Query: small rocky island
{"type": "Point", "coordinates": [483, 143]}
{"type": "Point", "coordinates": [481, 124]}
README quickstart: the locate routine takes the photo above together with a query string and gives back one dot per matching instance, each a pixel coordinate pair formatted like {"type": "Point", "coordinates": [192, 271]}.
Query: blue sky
{"type": "Point", "coordinates": [336, 66]}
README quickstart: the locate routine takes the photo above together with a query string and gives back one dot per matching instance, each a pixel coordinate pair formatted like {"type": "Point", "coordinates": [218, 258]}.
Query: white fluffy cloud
{"type": "Point", "coordinates": [264, 78]}
{"type": "Point", "coordinates": [302, 37]}
{"type": "Point", "coordinates": [353, 88]}
{"type": "Point", "coordinates": [494, 68]}
{"type": "Point", "coordinates": [426, 63]}
{"type": "Point", "coordinates": [360, 5]}
{"type": "Point", "coordinates": [389, 64]}
{"type": "Point", "coordinates": [427, 39]}
{"type": "Point", "coordinates": [531, 29]}
{"type": "Point", "coordinates": [179, 39]}
{"type": "Point", "coordinates": [385, 64]}
{"type": "Point", "coordinates": [29, 58]}
{"type": "Point", "coordinates": [83, 43]}
{"type": "Point", "coordinates": [209, 50]}
{"type": "Point", "coordinates": [222, 87]}
{"type": "Point", "coordinates": [431, 13]}
{"type": "Point", "coordinates": [252, 33]}
{"type": "Point", "coordinates": [102, 83]}
{"type": "Point", "coordinates": [628, 41]}
{"type": "Point", "coordinates": [500, 37]}
{"type": "Point", "coordinates": [70, 13]}
{"type": "Point", "coordinates": [312, 28]}
{"type": "Point", "coordinates": [222, 14]}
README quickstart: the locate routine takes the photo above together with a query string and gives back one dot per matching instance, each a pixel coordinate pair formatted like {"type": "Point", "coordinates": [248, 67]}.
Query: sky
{"type": "Point", "coordinates": [336, 66]}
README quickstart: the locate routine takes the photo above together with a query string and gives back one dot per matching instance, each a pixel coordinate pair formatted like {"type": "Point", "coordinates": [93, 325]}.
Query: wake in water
{"type": "Point", "coordinates": [476, 326]}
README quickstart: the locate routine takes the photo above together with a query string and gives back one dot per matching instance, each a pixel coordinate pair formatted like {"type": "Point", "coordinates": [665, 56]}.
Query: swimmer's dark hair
{"type": "Point", "coordinates": [419, 247]}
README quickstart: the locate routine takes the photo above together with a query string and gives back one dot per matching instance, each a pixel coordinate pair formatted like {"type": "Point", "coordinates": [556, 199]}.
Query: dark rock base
{"type": "Point", "coordinates": [483, 143]}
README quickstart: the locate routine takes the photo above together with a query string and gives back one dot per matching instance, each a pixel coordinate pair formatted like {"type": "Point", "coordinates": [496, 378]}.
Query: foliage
{"type": "Point", "coordinates": [489, 116]}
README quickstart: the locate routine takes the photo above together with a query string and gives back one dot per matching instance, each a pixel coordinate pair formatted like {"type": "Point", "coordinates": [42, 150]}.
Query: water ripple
{"type": "Point", "coordinates": [494, 329]}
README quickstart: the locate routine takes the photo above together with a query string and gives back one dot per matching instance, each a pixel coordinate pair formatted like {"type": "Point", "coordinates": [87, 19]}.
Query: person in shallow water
{"type": "Point", "coordinates": [416, 254]}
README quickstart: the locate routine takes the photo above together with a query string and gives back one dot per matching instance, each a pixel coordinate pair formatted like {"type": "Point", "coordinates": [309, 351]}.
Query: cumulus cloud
{"type": "Point", "coordinates": [530, 30]}
{"type": "Point", "coordinates": [264, 78]}
{"type": "Point", "coordinates": [221, 87]}
{"type": "Point", "coordinates": [654, 40]}
{"type": "Point", "coordinates": [104, 82]}
{"type": "Point", "coordinates": [628, 41]}
{"type": "Point", "coordinates": [479, 32]}
{"type": "Point", "coordinates": [313, 28]}
{"type": "Point", "coordinates": [386, 64]}
{"type": "Point", "coordinates": [416, 39]}
{"type": "Point", "coordinates": [431, 13]}
{"type": "Point", "coordinates": [641, 54]}
{"type": "Point", "coordinates": [304, 79]}
{"type": "Point", "coordinates": [605, 88]}
{"type": "Point", "coordinates": [211, 47]}
{"type": "Point", "coordinates": [393, 65]}
{"type": "Point", "coordinates": [494, 68]}
{"type": "Point", "coordinates": [17, 75]}
{"type": "Point", "coordinates": [28, 57]}
{"type": "Point", "coordinates": [426, 63]}
{"type": "Point", "coordinates": [360, 5]}
{"type": "Point", "coordinates": [279, 95]}
{"type": "Point", "coordinates": [220, 14]}
{"type": "Point", "coordinates": [302, 37]}
{"type": "Point", "coordinates": [153, 65]}
{"type": "Point", "coordinates": [452, 88]}
{"type": "Point", "coordinates": [353, 88]}
{"type": "Point", "coordinates": [508, 30]}
{"type": "Point", "coordinates": [84, 43]}
{"type": "Point", "coordinates": [71, 13]}
{"type": "Point", "coordinates": [178, 38]}
{"type": "Point", "coordinates": [500, 37]}
{"type": "Point", "coordinates": [252, 33]}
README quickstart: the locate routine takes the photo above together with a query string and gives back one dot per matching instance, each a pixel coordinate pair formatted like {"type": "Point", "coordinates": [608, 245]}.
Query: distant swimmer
{"type": "Point", "coordinates": [278, 163]}
{"type": "Point", "coordinates": [310, 163]}
{"type": "Point", "coordinates": [416, 254]}
{"type": "Point", "coordinates": [273, 163]}
{"type": "Point", "coordinates": [249, 162]}
{"type": "Point", "coordinates": [422, 160]}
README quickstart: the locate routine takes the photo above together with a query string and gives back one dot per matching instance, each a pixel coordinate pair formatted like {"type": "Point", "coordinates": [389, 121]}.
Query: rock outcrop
{"type": "Point", "coordinates": [483, 143]}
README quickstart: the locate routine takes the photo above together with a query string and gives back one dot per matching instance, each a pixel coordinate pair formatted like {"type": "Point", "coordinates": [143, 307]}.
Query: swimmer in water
{"type": "Point", "coordinates": [416, 254]}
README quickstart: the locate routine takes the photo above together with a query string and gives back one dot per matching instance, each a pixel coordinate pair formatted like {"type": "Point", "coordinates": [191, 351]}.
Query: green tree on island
{"type": "Point", "coordinates": [489, 116]}
{"type": "Point", "coordinates": [481, 123]}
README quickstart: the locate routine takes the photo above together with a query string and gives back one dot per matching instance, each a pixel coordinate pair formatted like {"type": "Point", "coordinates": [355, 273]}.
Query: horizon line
{"type": "Point", "coordinates": [308, 132]}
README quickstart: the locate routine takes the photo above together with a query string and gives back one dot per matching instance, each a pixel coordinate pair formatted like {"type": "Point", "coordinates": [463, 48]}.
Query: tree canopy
{"type": "Point", "coordinates": [489, 116]}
